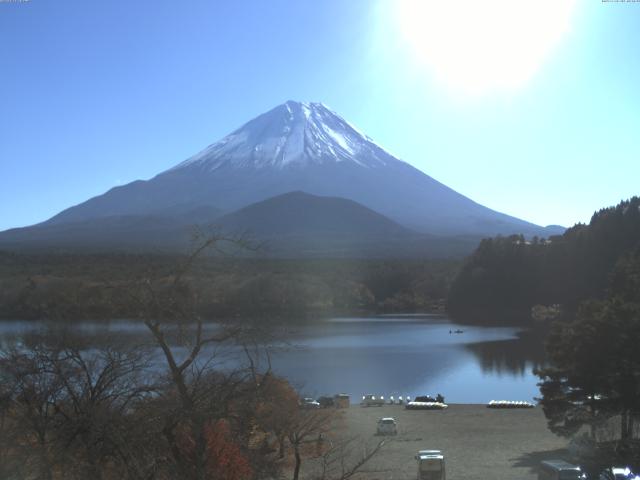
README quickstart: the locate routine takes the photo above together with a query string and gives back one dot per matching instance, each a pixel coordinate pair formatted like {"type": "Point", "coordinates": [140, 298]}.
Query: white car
{"type": "Point", "coordinates": [430, 465]}
{"type": "Point", "coordinates": [618, 473]}
{"type": "Point", "coordinates": [422, 453]}
{"type": "Point", "coordinates": [387, 426]}
{"type": "Point", "coordinates": [309, 403]}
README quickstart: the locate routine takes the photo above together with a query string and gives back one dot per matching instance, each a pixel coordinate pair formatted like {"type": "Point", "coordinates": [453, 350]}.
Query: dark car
{"type": "Point", "coordinates": [424, 398]}
{"type": "Point", "coordinates": [326, 402]}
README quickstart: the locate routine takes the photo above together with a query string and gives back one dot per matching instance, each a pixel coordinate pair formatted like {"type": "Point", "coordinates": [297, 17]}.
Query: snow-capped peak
{"type": "Point", "coordinates": [294, 133]}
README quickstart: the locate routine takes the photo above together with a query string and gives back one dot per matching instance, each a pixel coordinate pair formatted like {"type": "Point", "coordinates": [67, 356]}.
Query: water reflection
{"type": "Point", "coordinates": [515, 357]}
{"type": "Point", "coordinates": [390, 355]}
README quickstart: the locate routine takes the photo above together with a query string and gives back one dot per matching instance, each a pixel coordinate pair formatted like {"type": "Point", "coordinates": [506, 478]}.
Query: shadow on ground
{"type": "Point", "coordinates": [532, 460]}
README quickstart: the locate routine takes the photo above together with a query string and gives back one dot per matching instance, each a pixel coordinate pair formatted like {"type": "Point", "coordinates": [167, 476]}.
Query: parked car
{"type": "Point", "coordinates": [309, 403]}
{"type": "Point", "coordinates": [342, 400]}
{"type": "Point", "coordinates": [618, 473]}
{"type": "Point", "coordinates": [372, 401]}
{"type": "Point", "coordinates": [425, 399]}
{"type": "Point", "coordinates": [326, 402]}
{"type": "Point", "coordinates": [428, 452]}
{"type": "Point", "coordinates": [431, 465]}
{"type": "Point", "coordinates": [560, 470]}
{"type": "Point", "coordinates": [387, 426]}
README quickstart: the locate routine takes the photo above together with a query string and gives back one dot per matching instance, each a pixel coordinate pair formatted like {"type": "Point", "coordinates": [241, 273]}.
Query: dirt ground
{"type": "Point", "coordinates": [478, 443]}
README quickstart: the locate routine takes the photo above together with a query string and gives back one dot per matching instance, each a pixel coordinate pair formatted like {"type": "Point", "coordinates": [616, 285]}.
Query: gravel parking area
{"type": "Point", "coordinates": [478, 443]}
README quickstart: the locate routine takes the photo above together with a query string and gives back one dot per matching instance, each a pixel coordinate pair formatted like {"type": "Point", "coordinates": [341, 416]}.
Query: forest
{"type": "Point", "coordinates": [76, 287]}
{"type": "Point", "coordinates": [506, 277]}
{"type": "Point", "coordinates": [590, 387]}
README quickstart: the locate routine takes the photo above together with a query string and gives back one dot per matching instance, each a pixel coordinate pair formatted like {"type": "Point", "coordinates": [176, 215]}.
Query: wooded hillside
{"type": "Point", "coordinates": [507, 276]}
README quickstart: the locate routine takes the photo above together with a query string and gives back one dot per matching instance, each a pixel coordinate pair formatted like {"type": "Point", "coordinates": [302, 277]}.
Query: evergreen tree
{"type": "Point", "coordinates": [594, 372]}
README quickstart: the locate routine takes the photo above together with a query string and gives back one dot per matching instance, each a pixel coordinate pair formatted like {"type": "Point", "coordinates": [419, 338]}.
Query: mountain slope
{"type": "Point", "coordinates": [298, 224]}
{"type": "Point", "coordinates": [303, 147]}
{"type": "Point", "coordinates": [298, 213]}
{"type": "Point", "coordinates": [293, 225]}
{"type": "Point", "coordinates": [166, 231]}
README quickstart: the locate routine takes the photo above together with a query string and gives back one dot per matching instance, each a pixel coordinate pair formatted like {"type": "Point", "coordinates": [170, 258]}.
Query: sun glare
{"type": "Point", "coordinates": [483, 45]}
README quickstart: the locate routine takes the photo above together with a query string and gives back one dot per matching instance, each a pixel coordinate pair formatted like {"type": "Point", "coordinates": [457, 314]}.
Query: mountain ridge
{"type": "Point", "coordinates": [291, 225]}
{"type": "Point", "coordinates": [299, 212]}
{"type": "Point", "coordinates": [302, 147]}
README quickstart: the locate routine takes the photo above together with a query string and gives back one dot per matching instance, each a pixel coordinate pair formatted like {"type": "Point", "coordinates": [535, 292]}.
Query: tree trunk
{"type": "Point", "coordinates": [296, 470]}
{"type": "Point", "coordinates": [200, 454]}
{"type": "Point", "coordinates": [95, 472]}
{"type": "Point", "coordinates": [281, 446]}
{"type": "Point", "coordinates": [624, 425]}
{"type": "Point", "coordinates": [45, 466]}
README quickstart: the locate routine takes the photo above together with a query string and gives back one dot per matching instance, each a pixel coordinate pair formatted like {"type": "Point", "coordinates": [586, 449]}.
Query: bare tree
{"type": "Point", "coordinates": [69, 404]}
{"type": "Point", "coordinates": [305, 427]}
{"type": "Point", "coordinates": [28, 414]}
{"type": "Point", "coordinates": [200, 392]}
{"type": "Point", "coordinates": [345, 458]}
{"type": "Point", "coordinates": [274, 412]}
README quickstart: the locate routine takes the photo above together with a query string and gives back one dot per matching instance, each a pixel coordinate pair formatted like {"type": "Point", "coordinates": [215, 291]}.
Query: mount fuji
{"type": "Point", "coordinates": [295, 147]}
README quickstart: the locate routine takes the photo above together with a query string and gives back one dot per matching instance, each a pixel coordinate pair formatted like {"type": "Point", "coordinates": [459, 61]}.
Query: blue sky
{"type": "Point", "coordinates": [95, 94]}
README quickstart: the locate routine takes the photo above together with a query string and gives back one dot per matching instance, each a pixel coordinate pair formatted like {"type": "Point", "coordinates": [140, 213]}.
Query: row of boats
{"type": "Point", "coordinates": [426, 406]}
{"type": "Point", "coordinates": [509, 404]}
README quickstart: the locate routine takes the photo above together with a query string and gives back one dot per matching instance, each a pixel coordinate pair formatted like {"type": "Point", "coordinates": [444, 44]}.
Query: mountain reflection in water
{"type": "Point", "coordinates": [510, 357]}
{"type": "Point", "coordinates": [384, 355]}
{"type": "Point", "coordinates": [411, 355]}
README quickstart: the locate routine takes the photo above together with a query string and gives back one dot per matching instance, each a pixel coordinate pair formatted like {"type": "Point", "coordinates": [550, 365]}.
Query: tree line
{"type": "Point", "coordinates": [592, 380]}
{"type": "Point", "coordinates": [507, 276]}
{"type": "Point", "coordinates": [81, 287]}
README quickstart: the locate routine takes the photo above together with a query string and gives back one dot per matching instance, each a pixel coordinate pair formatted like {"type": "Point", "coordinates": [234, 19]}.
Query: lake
{"type": "Point", "coordinates": [385, 355]}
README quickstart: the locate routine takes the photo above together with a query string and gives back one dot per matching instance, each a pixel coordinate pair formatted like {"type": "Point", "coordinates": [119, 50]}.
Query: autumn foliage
{"type": "Point", "coordinates": [226, 461]}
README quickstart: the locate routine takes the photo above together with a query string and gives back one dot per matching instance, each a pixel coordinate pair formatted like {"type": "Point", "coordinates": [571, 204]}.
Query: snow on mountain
{"type": "Point", "coordinates": [292, 134]}
{"type": "Point", "coordinates": [302, 147]}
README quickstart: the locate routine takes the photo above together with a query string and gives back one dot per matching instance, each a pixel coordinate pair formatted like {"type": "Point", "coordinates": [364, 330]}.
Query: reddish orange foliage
{"type": "Point", "coordinates": [225, 459]}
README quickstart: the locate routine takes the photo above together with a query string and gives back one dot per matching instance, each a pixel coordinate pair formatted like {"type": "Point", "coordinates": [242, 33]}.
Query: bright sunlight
{"type": "Point", "coordinates": [480, 46]}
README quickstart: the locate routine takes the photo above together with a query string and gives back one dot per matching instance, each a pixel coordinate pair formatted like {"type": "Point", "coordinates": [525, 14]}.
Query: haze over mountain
{"type": "Point", "coordinates": [300, 224]}
{"type": "Point", "coordinates": [291, 225]}
{"type": "Point", "coordinates": [295, 147]}
{"type": "Point", "coordinates": [299, 213]}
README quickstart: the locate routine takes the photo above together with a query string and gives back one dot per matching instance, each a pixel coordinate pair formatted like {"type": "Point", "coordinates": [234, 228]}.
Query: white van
{"type": "Point", "coordinates": [387, 426]}
{"type": "Point", "coordinates": [431, 465]}
{"type": "Point", "coordinates": [559, 470]}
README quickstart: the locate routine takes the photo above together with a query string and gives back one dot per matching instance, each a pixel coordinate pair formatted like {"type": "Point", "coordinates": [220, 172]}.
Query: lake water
{"type": "Point", "coordinates": [386, 355]}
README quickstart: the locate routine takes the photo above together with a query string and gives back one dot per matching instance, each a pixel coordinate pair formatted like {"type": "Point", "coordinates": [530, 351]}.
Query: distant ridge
{"type": "Point", "coordinates": [299, 213]}
{"type": "Point", "coordinates": [292, 225]}
{"type": "Point", "coordinates": [295, 147]}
